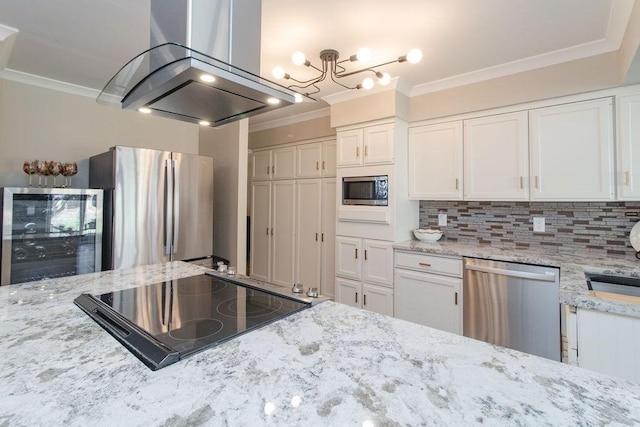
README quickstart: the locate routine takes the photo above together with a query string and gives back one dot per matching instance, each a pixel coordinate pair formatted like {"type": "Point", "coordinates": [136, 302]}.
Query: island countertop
{"type": "Point", "coordinates": [328, 365]}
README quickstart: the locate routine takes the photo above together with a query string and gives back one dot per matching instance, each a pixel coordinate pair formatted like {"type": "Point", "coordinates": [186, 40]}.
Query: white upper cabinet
{"type": "Point", "coordinates": [278, 163]}
{"type": "Point", "coordinates": [316, 160]}
{"type": "Point", "coordinates": [435, 161]}
{"type": "Point", "coordinates": [571, 151]}
{"type": "Point", "coordinates": [628, 177]}
{"type": "Point", "coordinates": [378, 144]}
{"type": "Point", "coordinates": [496, 157]}
{"type": "Point", "coordinates": [349, 151]}
{"type": "Point", "coordinates": [261, 165]}
{"type": "Point", "coordinates": [284, 163]}
{"type": "Point", "coordinates": [371, 145]}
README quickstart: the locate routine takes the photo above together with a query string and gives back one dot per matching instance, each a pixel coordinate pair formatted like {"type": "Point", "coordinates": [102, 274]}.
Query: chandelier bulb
{"type": "Point", "coordinates": [383, 78]}
{"type": "Point", "coordinates": [297, 97]}
{"type": "Point", "coordinates": [298, 58]}
{"type": "Point", "coordinates": [414, 56]}
{"type": "Point", "coordinates": [278, 72]}
{"type": "Point", "coordinates": [367, 83]}
{"type": "Point", "coordinates": [364, 55]}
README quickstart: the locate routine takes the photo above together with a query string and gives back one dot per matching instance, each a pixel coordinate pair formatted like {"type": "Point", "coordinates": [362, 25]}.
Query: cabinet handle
{"type": "Point", "coordinates": [424, 264]}
{"type": "Point", "coordinates": [535, 181]}
{"type": "Point", "coordinates": [317, 165]}
{"type": "Point", "coordinates": [357, 152]}
{"type": "Point", "coordinates": [365, 254]}
{"type": "Point", "coordinates": [627, 177]}
{"type": "Point", "coordinates": [268, 170]}
{"type": "Point", "coordinates": [456, 183]}
{"type": "Point", "coordinates": [356, 253]}
{"type": "Point", "coordinates": [364, 297]}
{"type": "Point", "coordinates": [267, 231]}
{"type": "Point", "coordinates": [366, 150]}
{"type": "Point", "coordinates": [272, 231]}
{"type": "Point", "coordinates": [521, 182]}
{"type": "Point", "coordinates": [323, 168]}
{"type": "Point", "coordinates": [356, 297]}
{"type": "Point", "coordinates": [322, 237]}
{"type": "Point", "coordinates": [455, 298]}
{"type": "Point", "coordinates": [316, 237]}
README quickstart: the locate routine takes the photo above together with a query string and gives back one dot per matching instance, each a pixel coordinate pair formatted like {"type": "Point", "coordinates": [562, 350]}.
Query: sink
{"type": "Point", "coordinates": [612, 286]}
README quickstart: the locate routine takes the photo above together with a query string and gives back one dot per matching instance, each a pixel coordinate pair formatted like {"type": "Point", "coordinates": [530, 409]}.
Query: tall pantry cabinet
{"type": "Point", "coordinates": [293, 215]}
{"type": "Point", "coordinates": [365, 234]}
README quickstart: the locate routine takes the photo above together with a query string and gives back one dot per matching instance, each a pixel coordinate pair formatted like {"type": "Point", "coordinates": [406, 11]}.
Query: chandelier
{"type": "Point", "coordinates": [333, 68]}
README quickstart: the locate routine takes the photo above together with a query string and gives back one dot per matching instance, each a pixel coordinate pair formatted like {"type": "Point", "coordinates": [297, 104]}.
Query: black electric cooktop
{"type": "Point", "coordinates": [165, 322]}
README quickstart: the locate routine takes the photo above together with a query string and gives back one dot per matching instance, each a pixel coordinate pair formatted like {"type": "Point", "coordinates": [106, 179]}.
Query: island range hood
{"type": "Point", "coordinates": [203, 66]}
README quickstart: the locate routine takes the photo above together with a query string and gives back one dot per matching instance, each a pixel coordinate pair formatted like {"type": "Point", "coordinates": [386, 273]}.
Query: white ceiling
{"type": "Point", "coordinates": [84, 42]}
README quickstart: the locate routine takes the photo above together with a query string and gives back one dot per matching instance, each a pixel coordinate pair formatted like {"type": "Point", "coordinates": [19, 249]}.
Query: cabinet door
{"type": "Point", "coordinates": [572, 151]}
{"type": "Point", "coordinates": [309, 160]}
{"type": "Point", "coordinates": [628, 114]}
{"type": "Point", "coordinates": [609, 343]}
{"type": "Point", "coordinates": [429, 300]}
{"type": "Point", "coordinates": [329, 158]}
{"type": "Point", "coordinates": [283, 228]}
{"type": "Point", "coordinates": [348, 292]}
{"type": "Point", "coordinates": [308, 232]}
{"type": "Point", "coordinates": [496, 157]}
{"type": "Point", "coordinates": [328, 237]}
{"type": "Point", "coordinates": [261, 165]}
{"type": "Point", "coordinates": [378, 144]}
{"type": "Point", "coordinates": [435, 162]}
{"type": "Point", "coordinates": [349, 257]}
{"type": "Point", "coordinates": [378, 299]}
{"type": "Point", "coordinates": [349, 148]}
{"type": "Point", "coordinates": [284, 163]}
{"type": "Point", "coordinates": [378, 262]}
{"type": "Point", "coordinates": [260, 250]}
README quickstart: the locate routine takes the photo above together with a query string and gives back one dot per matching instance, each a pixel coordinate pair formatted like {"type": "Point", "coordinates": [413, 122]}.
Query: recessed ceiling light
{"type": "Point", "coordinates": [144, 110]}
{"type": "Point", "coordinates": [204, 123]}
{"type": "Point", "coordinates": [207, 78]}
{"type": "Point", "coordinates": [273, 101]}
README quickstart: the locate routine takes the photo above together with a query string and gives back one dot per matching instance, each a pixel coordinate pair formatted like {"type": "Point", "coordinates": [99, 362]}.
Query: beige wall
{"type": "Point", "coordinates": [630, 49]}
{"type": "Point", "coordinates": [228, 145]}
{"type": "Point", "coordinates": [373, 107]}
{"type": "Point", "coordinates": [309, 129]}
{"type": "Point", "coordinates": [38, 123]}
{"type": "Point", "coordinates": [594, 73]}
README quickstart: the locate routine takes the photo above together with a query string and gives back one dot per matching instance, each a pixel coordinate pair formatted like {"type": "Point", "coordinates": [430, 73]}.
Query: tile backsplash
{"type": "Point", "coordinates": [586, 227]}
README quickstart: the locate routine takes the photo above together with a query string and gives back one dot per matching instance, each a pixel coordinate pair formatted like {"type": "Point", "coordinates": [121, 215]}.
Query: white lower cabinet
{"type": "Point", "coordinates": [365, 295]}
{"type": "Point", "coordinates": [364, 274]}
{"type": "Point", "coordinates": [604, 342]}
{"type": "Point", "coordinates": [428, 290]}
{"type": "Point", "coordinates": [273, 231]}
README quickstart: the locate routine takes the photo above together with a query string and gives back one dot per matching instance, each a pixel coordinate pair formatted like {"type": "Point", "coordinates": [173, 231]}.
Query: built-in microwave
{"type": "Point", "coordinates": [365, 190]}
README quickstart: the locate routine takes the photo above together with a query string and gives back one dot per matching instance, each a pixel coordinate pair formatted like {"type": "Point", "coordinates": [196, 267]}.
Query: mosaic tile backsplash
{"type": "Point", "coordinates": [597, 228]}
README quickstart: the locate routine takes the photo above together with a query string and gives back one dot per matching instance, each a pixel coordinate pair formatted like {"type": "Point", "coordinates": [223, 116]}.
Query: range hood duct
{"type": "Point", "coordinates": [191, 38]}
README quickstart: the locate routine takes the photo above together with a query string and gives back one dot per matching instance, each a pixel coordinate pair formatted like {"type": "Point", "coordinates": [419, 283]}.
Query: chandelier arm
{"type": "Point", "coordinates": [337, 82]}
{"type": "Point", "coordinates": [362, 70]}
{"type": "Point", "coordinates": [306, 81]}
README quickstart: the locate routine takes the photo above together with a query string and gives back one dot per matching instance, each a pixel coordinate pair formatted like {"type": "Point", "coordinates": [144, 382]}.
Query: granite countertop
{"type": "Point", "coordinates": [328, 365]}
{"type": "Point", "coordinates": [573, 285]}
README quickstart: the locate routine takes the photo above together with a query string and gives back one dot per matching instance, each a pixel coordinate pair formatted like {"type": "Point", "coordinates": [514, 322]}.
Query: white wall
{"type": "Point", "coordinates": [228, 145]}
{"type": "Point", "coordinates": [39, 123]}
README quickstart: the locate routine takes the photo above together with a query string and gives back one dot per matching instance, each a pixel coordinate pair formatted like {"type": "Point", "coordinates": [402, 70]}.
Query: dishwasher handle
{"type": "Point", "coordinates": [545, 277]}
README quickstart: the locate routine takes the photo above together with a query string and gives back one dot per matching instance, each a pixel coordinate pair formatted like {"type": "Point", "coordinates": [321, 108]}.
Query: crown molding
{"type": "Point", "coordinates": [309, 115]}
{"type": "Point", "coordinates": [47, 83]}
{"type": "Point", "coordinates": [396, 84]}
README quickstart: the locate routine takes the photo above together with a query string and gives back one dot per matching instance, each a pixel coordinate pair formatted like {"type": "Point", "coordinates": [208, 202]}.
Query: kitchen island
{"type": "Point", "coordinates": [327, 365]}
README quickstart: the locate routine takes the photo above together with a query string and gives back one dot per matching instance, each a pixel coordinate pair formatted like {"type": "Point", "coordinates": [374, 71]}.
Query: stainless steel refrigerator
{"type": "Point", "coordinates": [158, 205]}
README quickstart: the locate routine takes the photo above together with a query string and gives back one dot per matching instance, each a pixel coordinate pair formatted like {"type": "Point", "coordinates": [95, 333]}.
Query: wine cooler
{"type": "Point", "coordinates": [49, 232]}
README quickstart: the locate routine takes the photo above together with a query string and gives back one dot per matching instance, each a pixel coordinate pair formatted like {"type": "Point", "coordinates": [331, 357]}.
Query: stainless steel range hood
{"type": "Point", "coordinates": [191, 39]}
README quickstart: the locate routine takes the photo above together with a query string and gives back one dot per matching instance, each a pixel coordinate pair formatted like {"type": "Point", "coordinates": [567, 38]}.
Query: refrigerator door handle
{"type": "Point", "coordinates": [175, 208]}
{"type": "Point", "coordinates": [166, 214]}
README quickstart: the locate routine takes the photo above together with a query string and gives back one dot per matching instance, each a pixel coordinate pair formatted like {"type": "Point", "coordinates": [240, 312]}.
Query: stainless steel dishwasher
{"type": "Point", "coordinates": [512, 305]}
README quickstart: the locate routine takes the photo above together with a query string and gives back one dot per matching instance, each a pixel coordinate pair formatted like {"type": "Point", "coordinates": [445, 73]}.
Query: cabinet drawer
{"type": "Point", "coordinates": [429, 263]}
